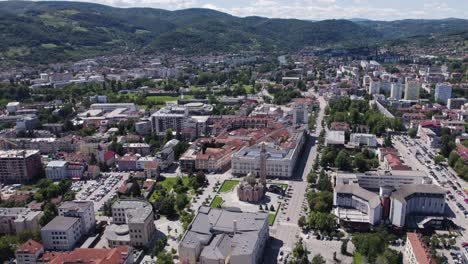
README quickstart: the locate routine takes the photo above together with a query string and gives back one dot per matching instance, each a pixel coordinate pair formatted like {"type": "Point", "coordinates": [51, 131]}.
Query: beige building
{"type": "Point", "coordinates": [412, 88]}
{"type": "Point", "coordinates": [84, 210]}
{"type": "Point", "coordinates": [15, 220]}
{"type": "Point", "coordinates": [133, 224]}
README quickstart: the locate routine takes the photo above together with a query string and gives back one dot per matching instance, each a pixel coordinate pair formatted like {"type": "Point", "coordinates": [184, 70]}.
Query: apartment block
{"type": "Point", "coordinates": [19, 166]}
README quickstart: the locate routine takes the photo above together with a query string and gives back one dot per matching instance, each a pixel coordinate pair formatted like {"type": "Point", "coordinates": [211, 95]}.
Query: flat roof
{"type": "Point", "coordinates": [60, 223]}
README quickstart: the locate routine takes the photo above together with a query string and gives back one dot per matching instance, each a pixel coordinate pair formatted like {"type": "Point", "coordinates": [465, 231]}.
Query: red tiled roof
{"type": "Point", "coordinates": [89, 256]}
{"type": "Point", "coordinates": [109, 155]}
{"type": "Point", "coordinates": [30, 246]}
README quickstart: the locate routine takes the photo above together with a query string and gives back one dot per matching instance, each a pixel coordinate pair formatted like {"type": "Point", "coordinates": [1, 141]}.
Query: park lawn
{"type": "Point", "coordinates": [168, 183]}
{"type": "Point", "coordinates": [271, 219]}
{"type": "Point", "coordinates": [272, 216]}
{"type": "Point", "coordinates": [228, 185]}
{"type": "Point", "coordinates": [166, 98]}
{"type": "Point", "coordinates": [282, 185]}
{"type": "Point", "coordinates": [248, 88]}
{"type": "Point", "coordinates": [216, 202]}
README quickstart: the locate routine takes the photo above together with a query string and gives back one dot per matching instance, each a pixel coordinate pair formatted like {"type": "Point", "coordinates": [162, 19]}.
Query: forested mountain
{"type": "Point", "coordinates": [44, 32]}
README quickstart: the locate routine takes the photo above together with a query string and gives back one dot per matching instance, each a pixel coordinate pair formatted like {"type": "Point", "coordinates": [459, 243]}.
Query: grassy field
{"type": "Point", "coordinates": [228, 185]}
{"type": "Point", "coordinates": [165, 98]}
{"type": "Point", "coordinates": [216, 202]}
{"type": "Point", "coordinates": [272, 216]}
{"type": "Point", "coordinates": [271, 219]}
{"type": "Point", "coordinates": [282, 185]}
{"type": "Point", "coordinates": [168, 183]}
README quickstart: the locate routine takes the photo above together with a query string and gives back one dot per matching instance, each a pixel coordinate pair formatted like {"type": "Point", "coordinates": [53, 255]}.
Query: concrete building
{"type": "Point", "coordinates": [133, 224]}
{"type": "Point", "coordinates": [396, 91]}
{"type": "Point", "coordinates": [224, 236]}
{"type": "Point", "coordinates": [84, 210]}
{"type": "Point", "coordinates": [374, 87]}
{"type": "Point", "coordinates": [17, 219]}
{"type": "Point", "coordinates": [19, 166]}
{"type": "Point", "coordinates": [137, 148]}
{"type": "Point", "coordinates": [420, 199]}
{"type": "Point", "coordinates": [281, 158]}
{"type": "Point", "coordinates": [56, 170]}
{"type": "Point", "coordinates": [412, 89]}
{"type": "Point", "coordinates": [355, 204]}
{"type": "Point", "coordinates": [300, 113]}
{"type": "Point", "coordinates": [29, 252]}
{"type": "Point", "coordinates": [373, 180]}
{"type": "Point", "coordinates": [169, 117]}
{"type": "Point", "coordinates": [335, 138]}
{"type": "Point", "coordinates": [443, 91]}
{"type": "Point", "coordinates": [415, 251]}
{"type": "Point", "coordinates": [359, 139]}
{"type": "Point", "coordinates": [109, 107]}
{"type": "Point", "coordinates": [455, 103]}
{"type": "Point", "coordinates": [12, 107]}
{"type": "Point", "coordinates": [62, 233]}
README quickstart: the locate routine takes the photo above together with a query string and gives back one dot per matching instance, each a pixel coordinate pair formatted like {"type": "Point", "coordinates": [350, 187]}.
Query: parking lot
{"type": "Point", "coordinates": [418, 156]}
{"type": "Point", "coordinates": [101, 190]}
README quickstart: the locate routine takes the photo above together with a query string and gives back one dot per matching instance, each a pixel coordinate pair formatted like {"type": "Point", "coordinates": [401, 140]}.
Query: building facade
{"type": "Point", "coordinates": [19, 166]}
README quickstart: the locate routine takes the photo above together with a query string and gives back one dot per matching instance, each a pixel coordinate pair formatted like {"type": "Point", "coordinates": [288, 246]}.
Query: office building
{"type": "Point", "coordinates": [170, 117]}
{"type": "Point", "coordinates": [224, 236]}
{"type": "Point", "coordinates": [109, 107]}
{"type": "Point", "coordinates": [455, 103]}
{"type": "Point", "coordinates": [56, 170]}
{"type": "Point", "coordinates": [17, 219]}
{"type": "Point", "coordinates": [84, 210]}
{"type": "Point", "coordinates": [300, 113]}
{"type": "Point", "coordinates": [420, 199]}
{"type": "Point", "coordinates": [355, 204]}
{"type": "Point", "coordinates": [133, 224]}
{"type": "Point", "coordinates": [373, 180]}
{"type": "Point", "coordinates": [412, 89]}
{"type": "Point", "coordinates": [335, 138]}
{"type": "Point", "coordinates": [396, 91]}
{"type": "Point", "coordinates": [359, 139]}
{"type": "Point", "coordinates": [62, 233]}
{"type": "Point", "coordinates": [374, 87]}
{"type": "Point", "coordinates": [443, 91]}
{"type": "Point", "coordinates": [19, 166]}
{"type": "Point", "coordinates": [281, 157]}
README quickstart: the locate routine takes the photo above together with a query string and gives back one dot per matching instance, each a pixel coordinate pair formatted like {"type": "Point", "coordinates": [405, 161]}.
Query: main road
{"type": "Point", "coordinates": [285, 232]}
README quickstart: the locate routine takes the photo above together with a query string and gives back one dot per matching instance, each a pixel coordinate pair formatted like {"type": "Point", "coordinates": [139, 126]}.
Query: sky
{"type": "Point", "coordinates": [315, 9]}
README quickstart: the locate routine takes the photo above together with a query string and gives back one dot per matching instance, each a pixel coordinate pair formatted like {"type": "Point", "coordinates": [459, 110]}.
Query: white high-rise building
{"type": "Point", "coordinates": [396, 91]}
{"type": "Point", "coordinates": [374, 87]}
{"type": "Point", "coordinates": [443, 91]}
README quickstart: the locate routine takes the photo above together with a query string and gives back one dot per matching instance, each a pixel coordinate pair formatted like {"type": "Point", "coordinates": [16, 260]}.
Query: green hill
{"type": "Point", "coordinates": [45, 32]}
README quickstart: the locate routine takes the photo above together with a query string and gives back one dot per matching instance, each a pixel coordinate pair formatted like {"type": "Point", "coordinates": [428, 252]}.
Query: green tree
{"type": "Point", "coordinates": [181, 201]}
{"type": "Point", "coordinates": [412, 132]}
{"type": "Point", "coordinates": [453, 158]}
{"type": "Point", "coordinates": [343, 161]}
{"type": "Point", "coordinates": [168, 135]}
{"type": "Point", "coordinates": [164, 258]}
{"type": "Point", "coordinates": [318, 259]}
{"type": "Point", "coordinates": [312, 177]}
{"type": "Point", "coordinates": [360, 162]}
{"type": "Point", "coordinates": [439, 159]}
{"type": "Point", "coordinates": [324, 183]}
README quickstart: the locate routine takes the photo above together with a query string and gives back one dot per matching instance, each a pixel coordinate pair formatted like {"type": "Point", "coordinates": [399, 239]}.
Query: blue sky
{"type": "Point", "coordinates": [315, 9]}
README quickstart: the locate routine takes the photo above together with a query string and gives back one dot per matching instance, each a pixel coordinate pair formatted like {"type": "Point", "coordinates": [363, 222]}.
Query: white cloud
{"type": "Point", "coordinates": [312, 9]}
